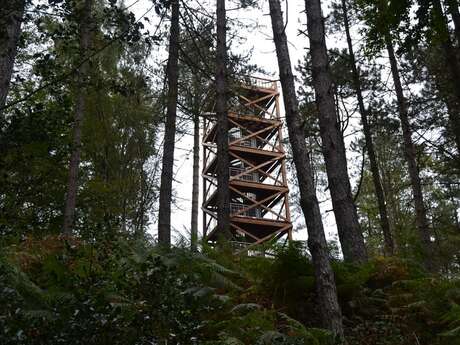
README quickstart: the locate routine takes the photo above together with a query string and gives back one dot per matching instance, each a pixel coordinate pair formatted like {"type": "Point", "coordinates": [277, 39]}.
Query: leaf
{"type": "Point", "coordinates": [222, 298]}
{"type": "Point", "coordinates": [292, 323]}
{"type": "Point", "coordinates": [246, 307]}
{"type": "Point", "coordinates": [232, 341]}
{"type": "Point", "coordinates": [223, 282]}
{"type": "Point", "coordinates": [451, 333]}
{"type": "Point", "coordinates": [199, 292]}
{"type": "Point", "coordinates": [40, 314]}
{"type": "Point", "coordinates": [271, 338]}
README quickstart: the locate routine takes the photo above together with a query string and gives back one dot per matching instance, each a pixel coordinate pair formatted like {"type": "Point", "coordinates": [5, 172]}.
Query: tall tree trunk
{"type": "Point", "coordinates": [410, 153]}
{"type": "Point", "coordinates": [384, 223]}
{"type": "Point", "coordinates": [444, 87]}
{"type": "Point", "coordinates": [452, 7]}
{"type": "Point", "coordinates": [196, 170]}
{"type": "Point", "coordinates": [223, 197]}
{"type": "Point", "coordinates": [140, 213]}
{"type": "Point", "coordinates": [453, 68]}
{"type": "Point", "coordinates": [324, 276]}
{"type": "Point", "coordinates": [350, 235]}
{"type": "Point", "coordinates": [172, 71]}
{"type": "Point", "coordinates": [84, 15]}
{"type": "Point", "coordinates": [11, 16]}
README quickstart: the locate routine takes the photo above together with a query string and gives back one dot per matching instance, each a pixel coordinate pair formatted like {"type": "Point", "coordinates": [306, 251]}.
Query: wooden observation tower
{"type": "Point", "coordinates": [259, 207]}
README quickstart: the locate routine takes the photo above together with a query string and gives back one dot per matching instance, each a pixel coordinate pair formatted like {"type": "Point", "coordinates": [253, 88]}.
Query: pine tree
{"type": "Point", "coordinates": [223, 197]}
{"type": "Point", "coordinates": [164, 213]}
{"type": "Point", "coordinates": [350, 235]}
{"type": "Point", "coordinates": [452, 64]}
{"type": "Point", "coordinates": [83, 12]}
{"type": "Point", "coordinates": [452, 6]}
{"type": "Point", "coordinates": [196, 167]}
{"type": "Point", "coordinates": [325, 284]}
{"type": "Point", "coordinates": [384, 223]}
{"type": "Point", "coordinates": [11, 17]}
{"type": "Point", "coordinates": [411, 158]}
{"type": "Point", "coordinates": [384, 24]}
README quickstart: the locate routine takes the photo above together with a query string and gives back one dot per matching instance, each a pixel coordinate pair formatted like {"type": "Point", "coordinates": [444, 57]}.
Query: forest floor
{"type": "Point", "coordinates": [64, 291]}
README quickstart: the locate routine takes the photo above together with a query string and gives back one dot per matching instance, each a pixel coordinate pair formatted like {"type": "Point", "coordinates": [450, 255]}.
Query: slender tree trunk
{"type": "Point", "coordinates": [84, 15]}
{"type": "Point", "coordinates": [391, 203]}
{"type": "Point", "coordinates": [384, 223]}
{"type": "Point", "coordinates": [11, 16]}
{"type": "Point", "coordinates": [223, 197]}
{"type": "Point", "coordinates": [350, 235]}
{"type": "Point", "coordinates": [172, 71]}
{"type": "Point", "coordinates": [410, 153]}
{"type": "Point", "coordinates": [196, 172]}
{"type": "Point", "coordinates": [324, 276]}
{"type": "Point", "coordinates": [455, 214]}
{"type": "Point", "coordinates": [439, 77]}
{"type": "Point", "coordinates": [452, 7]}
{"type": "Point", "coordinates": [453, 68]}
{"type": "Point", "coordinates": [139, 220]}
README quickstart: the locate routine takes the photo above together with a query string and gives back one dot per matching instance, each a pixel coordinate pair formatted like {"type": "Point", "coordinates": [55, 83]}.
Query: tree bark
{"type": "Point", "coordinates": [11, 17]}
{"type": "Point", "coordinates": [444, 87]}
{"type": "Point", "coordinates": [172, 71]}
{"type": "Point", "coordinates": [84, 16]}
{"type": "Point", "coordinates": [350, 235]}
{"type": "Point", "coordinates": [453, 68]}
{"type": "Point", "coordinates": [324, 276]}
{"type": "Point", "coordinates": [410, 153]}
{"type": "Point", "coordinates": [196, 170]}
{"type": "Point", "coordinates": [452, 7]}
{"type": "Point", "coordinates": [223, 197]}
{"type": "Point", "coordinates": [384, 223]}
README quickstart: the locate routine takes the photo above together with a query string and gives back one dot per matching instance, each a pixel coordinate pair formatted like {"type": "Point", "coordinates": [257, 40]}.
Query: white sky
{"type": "Point", "coordinates": [263, 55]}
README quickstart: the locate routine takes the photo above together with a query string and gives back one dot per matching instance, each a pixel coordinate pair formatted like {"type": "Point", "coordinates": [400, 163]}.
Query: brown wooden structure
{"type": "Point", "coordinates": [259, 207]}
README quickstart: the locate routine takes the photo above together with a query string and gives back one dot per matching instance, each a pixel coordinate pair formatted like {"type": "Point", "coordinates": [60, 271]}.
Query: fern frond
{"type": "Point", "coordinates": [245, 307]}
{"type": "Point", "coordinates": [220, 281]}
{"type": "Point", "coordinates": [271, 337]}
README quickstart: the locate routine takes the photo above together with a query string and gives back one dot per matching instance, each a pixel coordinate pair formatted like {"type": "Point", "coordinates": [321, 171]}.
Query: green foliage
{"type": "Point", "coordinates": [63, 290]}
{"type": "Point", "coordinates": [385, 302]}
{"type": "Point", "coordinates": [284, 281]}
{"type": "Point", "coordinates": [119, 129]}
{"type": "Point", "coordinates": [83, 294]}
{"type": "Point", "coordinates": [383, 19]}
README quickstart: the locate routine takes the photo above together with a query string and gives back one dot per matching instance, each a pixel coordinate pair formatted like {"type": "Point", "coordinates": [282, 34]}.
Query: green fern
{"type": "Point", "coordinates": [452, 318]}
{"type": "Point", "coordinates": [245, 307]}
{"type": "Point", "coordinates": [272, 338]}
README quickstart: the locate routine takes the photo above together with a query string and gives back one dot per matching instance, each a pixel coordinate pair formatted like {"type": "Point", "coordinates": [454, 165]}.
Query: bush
{"type": "Point", "coordinates": [61, 290]}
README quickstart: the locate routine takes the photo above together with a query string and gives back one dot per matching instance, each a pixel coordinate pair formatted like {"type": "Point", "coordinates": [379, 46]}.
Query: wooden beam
{"type": "Point", "coordinates": [264, 239]}
{"type": "Point", "coordinates": [256, 203]}
{"type": "Point", "coordinates": [255, 167]}
{"type": "Point", "coordinates": [244, 231]}
{"type": "Point", "coordinates": [253, 134]}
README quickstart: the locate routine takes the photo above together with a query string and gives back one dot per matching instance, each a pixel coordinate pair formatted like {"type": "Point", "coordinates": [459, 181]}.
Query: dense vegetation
{"type": "Point", "coordinates": [95, 96]}
{"type": "Point", "coordinates": [67, 291]}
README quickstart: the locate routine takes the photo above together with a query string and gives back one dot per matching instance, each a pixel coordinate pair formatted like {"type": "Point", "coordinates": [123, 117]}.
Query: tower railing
{"type": "Point", "coordinates": [252, 176]}
{"type": "Point", "coordinates": [243, 210]}
{"type": "Point", "coordinates": [257, 82]}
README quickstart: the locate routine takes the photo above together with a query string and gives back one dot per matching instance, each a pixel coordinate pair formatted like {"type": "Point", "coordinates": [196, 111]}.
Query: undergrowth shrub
{"type": "Point", "coordinates": [387, 301]}
{"type": "Point", "coordinates": [83, 294]}
{"type": "Point", "coordinates": [64, 291]}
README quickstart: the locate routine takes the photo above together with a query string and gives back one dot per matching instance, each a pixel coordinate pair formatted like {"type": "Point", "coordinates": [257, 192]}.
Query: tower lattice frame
{"type": "Point", "coordinates": [259, 206]}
